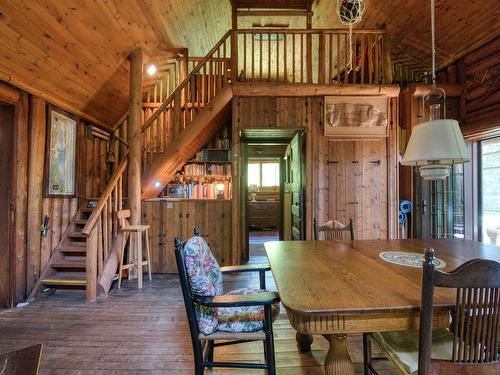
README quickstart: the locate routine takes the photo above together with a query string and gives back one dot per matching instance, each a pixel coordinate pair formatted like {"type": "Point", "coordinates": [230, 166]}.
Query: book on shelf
{"type": "Point", "coordinates": [207, 169]}
{"type": "Point", "coordinates": [213, 155]}
{"type": "Point", "coordinates": [199, 190]}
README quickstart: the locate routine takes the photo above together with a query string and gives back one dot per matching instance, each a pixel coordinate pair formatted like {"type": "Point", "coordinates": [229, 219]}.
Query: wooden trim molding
{"type": "Point", "coordinates": [304, 89]}
{"type": "Point", "coordinates": [8, 94]}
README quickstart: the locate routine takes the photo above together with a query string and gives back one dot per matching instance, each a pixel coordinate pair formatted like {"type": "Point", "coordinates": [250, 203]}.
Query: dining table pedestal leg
{"type": "Point", "coordinates": [338, 361]}
{"type": "Point", "coordinates": [304, 342]}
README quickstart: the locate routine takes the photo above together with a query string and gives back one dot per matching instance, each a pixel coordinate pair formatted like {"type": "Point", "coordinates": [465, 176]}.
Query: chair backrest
{"type": "Point", "coordinates": [186, 289]}
{"type": "Point", "coordinates": [122, 217]}
{"type": "Point", "coordinates": [333, 230]}
{"type": "Point", "coordinates": [475, 317]}
{"type": "Point", "coordinates": [199, 275]}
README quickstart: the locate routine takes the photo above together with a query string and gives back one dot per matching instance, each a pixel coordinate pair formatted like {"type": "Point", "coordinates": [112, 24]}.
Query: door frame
{"type": "Point", "coordinates": [18, 192]}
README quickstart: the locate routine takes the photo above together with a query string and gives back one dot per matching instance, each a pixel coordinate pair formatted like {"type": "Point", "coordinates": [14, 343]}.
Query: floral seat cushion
{"type": "Point", "coordinates": [244, 318]}
{"type": "Point", "coordinates": [205, 279]}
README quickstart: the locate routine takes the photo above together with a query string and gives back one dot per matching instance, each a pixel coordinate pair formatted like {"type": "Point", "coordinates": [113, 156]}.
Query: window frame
{"type": "Point", "coordinates": [260, 162]}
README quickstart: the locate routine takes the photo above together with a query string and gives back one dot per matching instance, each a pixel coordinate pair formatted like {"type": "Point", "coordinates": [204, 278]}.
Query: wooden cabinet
{"type": "Point", "coordinates": [263, 214]}
{"type": "Point", "coordinates": [357, 175]}
{"type": "Point", "coordinates": [169, 219]}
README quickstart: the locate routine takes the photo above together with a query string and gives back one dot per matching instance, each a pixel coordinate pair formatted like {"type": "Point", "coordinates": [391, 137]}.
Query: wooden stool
{"type": "Point", "coordinates": [135, 256]}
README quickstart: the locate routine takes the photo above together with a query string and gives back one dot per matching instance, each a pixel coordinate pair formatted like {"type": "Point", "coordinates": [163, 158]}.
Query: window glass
{"type": "Point", "coordinates": [270, 174]}
{"type": "Point", "coordinates": [254, 174]}
{"type": "Point", "coordinates": [490, 191]}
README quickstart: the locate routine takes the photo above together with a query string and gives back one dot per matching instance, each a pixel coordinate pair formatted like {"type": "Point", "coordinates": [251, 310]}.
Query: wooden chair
{"type": "Point", "coordinates": [21, 362]}
{"type": "Point", "coordinates": [470, 346]}
{"type": "Point", "coordinates": [203, 345]}
{"type": "Point", "coordinates": [135, 255]}
{"type": "Point", "coordinates": [333, 230]}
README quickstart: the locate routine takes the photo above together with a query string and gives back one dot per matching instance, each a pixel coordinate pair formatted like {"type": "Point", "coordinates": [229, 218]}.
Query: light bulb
{"type": "Point", "coordinates": [151, 69]}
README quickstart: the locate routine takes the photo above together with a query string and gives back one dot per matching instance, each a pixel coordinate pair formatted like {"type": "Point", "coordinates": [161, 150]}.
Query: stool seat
{"type": "Point", "coordinates": [134, 228]}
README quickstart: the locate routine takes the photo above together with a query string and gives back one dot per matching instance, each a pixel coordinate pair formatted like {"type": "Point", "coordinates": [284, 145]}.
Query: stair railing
{"type": "Point", "coordinates": [202, 84]}
{"type": "Point", "coordinates": [310, 56]}
{"type": "Point", "coordinates": [102, 228]}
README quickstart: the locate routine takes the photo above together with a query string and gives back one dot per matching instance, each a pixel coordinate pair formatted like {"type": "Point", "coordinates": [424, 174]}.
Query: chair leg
{"type": "Point", "coordinates": [210, 349]}
{"type": "Point", "coordinates": [265, 350]}
{"type": "Point", "coordinates": [120, 269]}
{"type": "Point", "coordinates": [198, 358]}
{"type": "Point", "coordinates": [147, 253]}
{"type": "Point", "coordinates": [268, 328]}
{"type": "Point", "coordinates": [367, 356]}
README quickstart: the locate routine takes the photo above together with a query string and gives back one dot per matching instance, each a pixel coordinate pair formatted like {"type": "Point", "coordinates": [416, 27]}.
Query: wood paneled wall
{"type": "Point", "coordinates": [30, 250]}
{"type": "Point", "coordinates": [170, 219]}
{"type": "Point", "coordinates": [375, 176]}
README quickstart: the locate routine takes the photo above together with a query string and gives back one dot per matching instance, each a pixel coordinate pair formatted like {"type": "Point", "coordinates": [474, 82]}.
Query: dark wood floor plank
{"type": "Point", "coordinates": [146, 332]}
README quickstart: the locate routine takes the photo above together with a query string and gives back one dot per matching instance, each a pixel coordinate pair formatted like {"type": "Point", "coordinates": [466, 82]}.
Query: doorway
{"type": "Point", "coordinates": [273, 190]}
{"type": "Point", "coordinates": [6, 276]}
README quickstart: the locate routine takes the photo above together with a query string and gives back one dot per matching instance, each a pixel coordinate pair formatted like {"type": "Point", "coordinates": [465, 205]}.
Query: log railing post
{"type": "Point", "coordinates": [386, 59]}
{"type": "Point", "coordinates": [135, 137]}
{"type": "Point", "coordinates": [234, 56]}
{"type": "Point", "coordinates": [321, 58]}
{"type": "Point", "coordinates": [91, 267]}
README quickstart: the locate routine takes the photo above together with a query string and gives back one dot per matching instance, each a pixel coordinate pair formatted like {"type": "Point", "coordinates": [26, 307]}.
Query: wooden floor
{"type": "Point", "coordinates": [144, 332]}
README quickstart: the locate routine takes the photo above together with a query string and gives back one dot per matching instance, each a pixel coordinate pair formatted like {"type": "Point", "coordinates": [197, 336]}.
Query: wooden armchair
{"type": "Point", "coordinates": [470, 346]}
{"type": "Point", "coordinates": [333, 230]}
{"type": "Point", "coordinates": [198, 307]}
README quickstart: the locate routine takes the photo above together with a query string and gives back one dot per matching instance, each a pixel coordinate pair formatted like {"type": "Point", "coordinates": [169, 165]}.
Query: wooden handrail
{"type": "Point", "coordinates": [105, 196]}
{"type": "Point", "coordinates": [309, 31]}
{"type": "Point", "coordinates": [183, 84]}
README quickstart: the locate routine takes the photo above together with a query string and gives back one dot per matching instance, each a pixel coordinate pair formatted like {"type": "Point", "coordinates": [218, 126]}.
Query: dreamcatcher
{"type": "Point", "coordinates": [350, 12]}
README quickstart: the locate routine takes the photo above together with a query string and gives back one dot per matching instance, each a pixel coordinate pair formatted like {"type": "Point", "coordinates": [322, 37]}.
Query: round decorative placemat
{"type": "Point", "coordinates": [407, 259]}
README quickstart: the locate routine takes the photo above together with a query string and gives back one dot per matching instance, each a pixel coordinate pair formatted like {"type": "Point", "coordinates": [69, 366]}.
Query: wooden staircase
{"type": "Point", "coordinates": [66, 268]}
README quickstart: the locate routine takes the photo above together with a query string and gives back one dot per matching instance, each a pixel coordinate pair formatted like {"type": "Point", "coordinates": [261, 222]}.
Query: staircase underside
{"type": "Point", "coordinates": [185, 146]}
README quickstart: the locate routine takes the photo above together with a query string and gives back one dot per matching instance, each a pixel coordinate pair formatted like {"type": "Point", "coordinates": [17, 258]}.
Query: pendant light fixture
{"type": "Point", "coordinates": [435, 145]}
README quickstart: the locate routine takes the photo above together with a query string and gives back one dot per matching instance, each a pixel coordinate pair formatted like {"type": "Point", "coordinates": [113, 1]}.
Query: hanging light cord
{"type": "Point", "coordinates": [433, 38]}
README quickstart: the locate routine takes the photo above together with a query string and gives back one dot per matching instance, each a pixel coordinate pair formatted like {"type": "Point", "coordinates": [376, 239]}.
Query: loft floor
{"type": "Point", "coordinates": [146, 332]}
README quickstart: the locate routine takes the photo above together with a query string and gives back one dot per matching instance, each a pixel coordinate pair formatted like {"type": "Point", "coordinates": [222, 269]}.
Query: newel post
{"type": "Point", "coordinates": [234, 55]}
{"type": "Point", "coordinates": [135, 137]}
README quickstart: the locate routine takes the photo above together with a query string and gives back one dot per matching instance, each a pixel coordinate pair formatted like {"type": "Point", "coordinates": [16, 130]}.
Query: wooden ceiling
{"type": "Point", "coordinates": [73, 52]}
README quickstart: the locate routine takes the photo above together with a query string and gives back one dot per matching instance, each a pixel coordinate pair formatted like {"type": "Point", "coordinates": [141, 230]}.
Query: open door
{"type": "Point", "coordinates": [296, 186]}
{"type": "Point", "coordinates": [6, 277]}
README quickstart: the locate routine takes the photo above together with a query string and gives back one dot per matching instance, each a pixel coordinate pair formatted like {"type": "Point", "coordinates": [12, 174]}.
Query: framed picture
{"type": "Point", "coordinates": [356, 117]}
{"type": "Point", "coordinates": [60, 158]}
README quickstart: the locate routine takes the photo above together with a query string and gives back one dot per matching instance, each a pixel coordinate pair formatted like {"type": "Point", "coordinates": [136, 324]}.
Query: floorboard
{"type": "Point", "coordinates": [145, 332]}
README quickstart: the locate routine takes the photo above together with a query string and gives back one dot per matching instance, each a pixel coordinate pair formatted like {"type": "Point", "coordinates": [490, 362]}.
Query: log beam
{"type": "Point", "coordinates": [134, 137]}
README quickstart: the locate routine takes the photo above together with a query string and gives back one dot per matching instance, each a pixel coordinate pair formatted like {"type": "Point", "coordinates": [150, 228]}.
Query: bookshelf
{"type": "Point", "coordinates": [208, 175]}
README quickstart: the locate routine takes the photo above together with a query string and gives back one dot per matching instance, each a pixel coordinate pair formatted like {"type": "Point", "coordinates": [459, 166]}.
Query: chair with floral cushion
{"type": "Point", "coordinates": [238, 316]}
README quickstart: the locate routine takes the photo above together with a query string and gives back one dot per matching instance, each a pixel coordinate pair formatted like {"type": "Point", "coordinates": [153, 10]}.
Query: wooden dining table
{"type": "Point", "coordinates": [333, 288]}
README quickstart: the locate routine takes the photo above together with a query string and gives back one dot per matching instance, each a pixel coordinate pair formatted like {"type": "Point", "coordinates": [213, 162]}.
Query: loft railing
{"type": "Point", "coordinates": [314, 56]}
{"type": "Point", "coordinates": [102, 229]}
{"type": "Point", "coordinates": [202, 84]}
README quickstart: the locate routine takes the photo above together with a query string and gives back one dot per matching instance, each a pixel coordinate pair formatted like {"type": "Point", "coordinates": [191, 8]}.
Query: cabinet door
{"type": "Point", "coordinates": [358, 186]}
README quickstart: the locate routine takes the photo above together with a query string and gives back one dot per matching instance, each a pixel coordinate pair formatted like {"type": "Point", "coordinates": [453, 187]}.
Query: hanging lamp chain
{"type": "Point", "coordinates": [433, 38]}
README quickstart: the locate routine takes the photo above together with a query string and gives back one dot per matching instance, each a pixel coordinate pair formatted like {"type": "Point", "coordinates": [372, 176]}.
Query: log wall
{"type": "Point", "coordinates": [479, 74]}
{"type": "Point", "coordinates": [30, 250]}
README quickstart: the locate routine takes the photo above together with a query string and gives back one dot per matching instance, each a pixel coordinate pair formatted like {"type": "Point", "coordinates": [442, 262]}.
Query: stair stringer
{"type": "Point", "coordinates": [185, 146]}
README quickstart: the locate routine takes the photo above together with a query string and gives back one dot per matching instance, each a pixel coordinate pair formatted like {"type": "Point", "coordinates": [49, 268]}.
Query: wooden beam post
{"type": "Point", "coordinates": [386, 59]}
{"type": "Point", "coordinates": [135, 137]}
{"type": "Point", "coordinates": [37, 126]}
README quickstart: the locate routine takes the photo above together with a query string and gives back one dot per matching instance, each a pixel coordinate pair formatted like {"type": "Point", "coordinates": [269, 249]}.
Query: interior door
{"type": "Point", "coordinates": [296, 187]}
{"type": "Point", "coordinates": [6, 121]}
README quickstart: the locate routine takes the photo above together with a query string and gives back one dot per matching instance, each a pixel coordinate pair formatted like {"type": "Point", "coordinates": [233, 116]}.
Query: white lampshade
{"type": "Point", "coordinates": [434, 146]}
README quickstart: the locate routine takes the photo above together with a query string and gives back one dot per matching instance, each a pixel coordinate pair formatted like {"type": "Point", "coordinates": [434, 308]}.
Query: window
{"type": "Point", "coordinates": [263, 174]}
{"type": "Point", "coordinates": [489, 213]}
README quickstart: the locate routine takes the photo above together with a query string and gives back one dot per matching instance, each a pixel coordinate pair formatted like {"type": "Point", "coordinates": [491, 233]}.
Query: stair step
{"type": "Point", "coordinates": [68, 264]}
{"type": "Point", "coordinates": [76, 235]}
{"type": "Point", "coordinates": [81, 221]}
{"type": "Point", "coordinates": [65, 280]}
{"type": "Point", "coordinates": [73, 249]}
{"type": "Point", "coordinates": [87, 209]}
